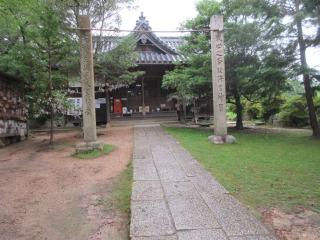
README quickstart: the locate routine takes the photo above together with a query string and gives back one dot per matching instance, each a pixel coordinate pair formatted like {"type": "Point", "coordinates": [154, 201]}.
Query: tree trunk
{"type": "Point", "coordinates": [195, 112]}
{"type": "Point", "coordinates": [108, 120]}
{"type": "Point", "coordinates": [239, 108]}
{"type": "Point", "coordinates": [181, 113]}
{"type": "Point", "coordinates": [50, 96]}
{"type": "Point", "coordinates": [306, 77]}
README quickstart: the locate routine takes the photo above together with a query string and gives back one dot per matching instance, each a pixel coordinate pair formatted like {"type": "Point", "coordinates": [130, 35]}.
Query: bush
{"type": "Point", "coordinates": [252, 110]}
{"type": "Point", "coordinates": [231, 112]}
{"type": "Point", "coordinates": [294, 113]}
{"type": "Point", "coordinates": [271, 107]}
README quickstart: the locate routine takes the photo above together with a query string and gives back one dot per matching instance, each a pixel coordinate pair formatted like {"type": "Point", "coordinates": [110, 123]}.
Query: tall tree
{"type": "Point", "coordinates": [37, 46]}
{"type": "Point", "coordinates": [246, 54]}
{"type": "Point", "coordinates": [103, 14]}
{"type": "Point", "coordinates": [54, 44]}
{"type": "Point", "coordinates": [38, 49]}
{"type": "Point", "coordinates": [299, 14]}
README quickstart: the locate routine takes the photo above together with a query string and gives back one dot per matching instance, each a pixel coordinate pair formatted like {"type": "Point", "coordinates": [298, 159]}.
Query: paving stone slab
{"type": "Point", "coordinates": [143, 162]}
{"type": "Point", "coordinates": [207, 186]}
{"type": "Point", "coordinates": [192, 169]}
{"type": "Point", "coordinates": [145, 173]}
{"type": "Point", "coordinates": [171, 173]}
{"type": "Point", "coordinates": [147, 190]}
{"type": "Point", "coordinates": [205, 234]}
{"type": "Point", "coordinates": [173, 237]}
{"type": "Point", "coordinates": [233, 217]}
{"type": "Point", "coordinates": [180, 154]}
{"type": "Point", "coordinates": [255, 237]}
{"type": "Point", "coordinates": [142, 153]}
{"type": "Point", "coordinates": [150, 218]}
{"type": "Point", "coordinates": [191, 214]}
{"type": "Point", "coordinates": [180, 189]}
{"type": "Point", "coordinates": [161, 154]}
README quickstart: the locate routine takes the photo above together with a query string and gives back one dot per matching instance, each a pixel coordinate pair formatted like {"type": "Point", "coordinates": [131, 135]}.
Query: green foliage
{"type": "Point", "coordinates": [262, 170]}
{"type": "Point", "coordinates": [39, 107]}
{"type": "Point", "coordinates": [231, 116]}
{"type": "Point", "coordinates": [253, 110]}
{"type": "Point", "coordinates": [294, 112]}
{"type": "Point", "coordinates": [95, 153]}
{"type": "Point", "coordinates": [116, 67]}
{"type": "Point", "coordinates": [256, 67]}
{"type": "Point", "coordinates": [38, 48]}
{"type": "Point", "coordinates": [297, 16]}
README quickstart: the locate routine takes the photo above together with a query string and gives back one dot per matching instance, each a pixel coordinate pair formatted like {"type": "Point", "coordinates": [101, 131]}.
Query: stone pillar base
{"type": "Point", "coordinates": [229, 139]}
{"type": "Point", "coordinates": [89, 146]}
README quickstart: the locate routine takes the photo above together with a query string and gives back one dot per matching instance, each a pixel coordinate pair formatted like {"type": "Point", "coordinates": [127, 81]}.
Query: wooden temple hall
{"type": "Point", "coordinates": [156, 56]}
{"type": "Point", "coordinates": [145, 96]}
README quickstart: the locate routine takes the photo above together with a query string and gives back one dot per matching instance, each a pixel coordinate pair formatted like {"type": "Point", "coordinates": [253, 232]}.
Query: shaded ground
{"type": "Point", "coordinates": [47, 194]}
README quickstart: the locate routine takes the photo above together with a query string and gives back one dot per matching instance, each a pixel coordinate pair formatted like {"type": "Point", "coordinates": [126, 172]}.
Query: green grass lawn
{"type": "Point", "coordinates": [118, 195]}
{"type": "Point", "coordinates": [94, 153]}
{"type": "Point", "coordinates": [122, 190]}
{"type": "Point", "coordinates": [262, 169]}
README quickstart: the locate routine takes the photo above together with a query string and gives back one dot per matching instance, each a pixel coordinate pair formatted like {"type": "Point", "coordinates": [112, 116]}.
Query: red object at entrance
{"type": "Point", "coordinates": [117, 106]}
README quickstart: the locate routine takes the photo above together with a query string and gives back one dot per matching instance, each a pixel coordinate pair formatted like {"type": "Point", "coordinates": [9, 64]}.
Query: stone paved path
{"type": "Point", "coordinates": [174, 198]}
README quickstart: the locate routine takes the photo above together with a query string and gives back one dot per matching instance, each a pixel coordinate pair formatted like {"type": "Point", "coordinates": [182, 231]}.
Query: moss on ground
{"type": "Point", "coordinates": [94, 153]}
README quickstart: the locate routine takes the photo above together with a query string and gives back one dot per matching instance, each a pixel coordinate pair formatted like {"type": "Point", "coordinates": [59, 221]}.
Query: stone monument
{"type": "Point", "coordinates": [87, 85]}
{"type": "Point", "coordinates": [218, 81]}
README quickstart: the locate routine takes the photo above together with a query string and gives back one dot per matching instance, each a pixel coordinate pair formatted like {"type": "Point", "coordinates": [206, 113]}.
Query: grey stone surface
{"type": "Point", "coordinates": [207, 185]}
{"type": "Point", "coordinates": [203, 234]}
{"type": "Point", "coordinates": [173, 237]}
{"type": "Point", "coordinates": [87, 81]}
{"type": "Point", "coordinates": [171, 173]}
{"type": "Point", "coordinates": [174, 197]}
{"type": "Point", "coordinates": [145, 173]}
{"type": "Point", "coordinates": [253, 237]}
{"type": "Point", "coordinates": [233, 217]}
{"type": "Point", "coordinates": [179, 189]}
{"type": "Point", "coordinates": [230, 139]}
{"type": "Point", "coordinates": [218, 75]}
{"type": "Point", "coordinates": [191, 214]}
{"type": "Point", "coordinates": [216, 139]}
{"type": "Point", "coordinates": [147, 190]}
{"type": "Point", "coordinates": [192, 169]}
{"type": "Point", "coordinates": [88, 146]}
{"type": "Point", "coordinates": [150, 218]}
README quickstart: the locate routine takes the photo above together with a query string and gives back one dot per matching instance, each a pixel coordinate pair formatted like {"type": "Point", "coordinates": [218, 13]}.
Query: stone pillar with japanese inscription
{"type": "Point", "coordinates": [87, 85]}
{"type": "Point", "coordinates": [218, 82]}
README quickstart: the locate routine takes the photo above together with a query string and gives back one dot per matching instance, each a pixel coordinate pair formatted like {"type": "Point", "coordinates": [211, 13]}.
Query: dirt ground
{"type": "Point", "coordinates": [300, 225]}
{"type": "Point", "coordinates": [45, 193]}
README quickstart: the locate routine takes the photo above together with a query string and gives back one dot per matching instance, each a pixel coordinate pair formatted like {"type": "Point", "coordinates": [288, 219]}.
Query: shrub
{"type": "Point", "coordinates": [294, 112]}
{"type": "Point", "coordinates": [252, 110]}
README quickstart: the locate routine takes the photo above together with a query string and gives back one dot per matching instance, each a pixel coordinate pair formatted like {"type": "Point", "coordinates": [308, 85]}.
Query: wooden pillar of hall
{"type": "Point", "coordinates": [142, 92]}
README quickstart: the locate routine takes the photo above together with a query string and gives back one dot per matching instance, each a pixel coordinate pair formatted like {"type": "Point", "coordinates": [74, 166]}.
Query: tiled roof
{"type": "Point", "coordinates": [168, 46]}
{"type": "Point", "coordinates": [146, 57]}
